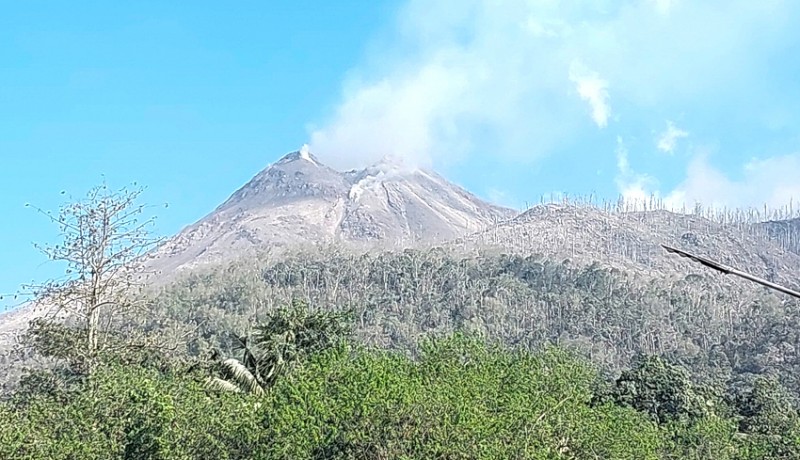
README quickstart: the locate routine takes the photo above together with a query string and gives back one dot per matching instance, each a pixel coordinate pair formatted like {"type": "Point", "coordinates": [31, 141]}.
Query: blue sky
{"type": "Point", "coordinates": [685, 100]}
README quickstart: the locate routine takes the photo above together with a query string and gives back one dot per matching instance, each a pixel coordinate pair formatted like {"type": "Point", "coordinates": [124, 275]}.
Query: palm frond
{"type": "Point", "coordinates": [218, 384]}
{"type": "Point", "coordinates": [242, 376]}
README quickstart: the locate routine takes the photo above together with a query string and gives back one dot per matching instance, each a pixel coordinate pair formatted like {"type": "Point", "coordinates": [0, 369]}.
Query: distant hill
{"type": "Point", "coordinates": [631, 241]}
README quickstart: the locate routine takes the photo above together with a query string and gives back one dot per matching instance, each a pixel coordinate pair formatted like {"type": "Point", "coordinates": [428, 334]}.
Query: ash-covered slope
{"type": "Point", "coordinates": [631, 242]}
{"type": "Point", "coordinates": [299, 201]}
{"type": "Point", "coordinates": [784, 232]}
{"type": "Point", "coordinates": [388, 202]}
{"type": "Point", "coordinates": [295, 177]}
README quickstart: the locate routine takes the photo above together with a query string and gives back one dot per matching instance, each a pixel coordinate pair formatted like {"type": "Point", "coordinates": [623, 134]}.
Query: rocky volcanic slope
{"type": "Point", "coordinates": [298, 201]}
{"type": "Point", "coordinates": [632, 241]}
{"type": "Point", "coordinates": [784, 232]}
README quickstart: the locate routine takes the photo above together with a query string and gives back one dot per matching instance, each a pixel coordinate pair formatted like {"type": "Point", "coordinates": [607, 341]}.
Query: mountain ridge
{"type": "Point", "coordinates": [631, 241]}
{"type": "Point", "coordinates": [298, 201]}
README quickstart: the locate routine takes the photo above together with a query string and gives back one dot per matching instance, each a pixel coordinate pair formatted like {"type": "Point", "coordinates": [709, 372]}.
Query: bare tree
{"type": "Point", "coordinates": [103, 239]}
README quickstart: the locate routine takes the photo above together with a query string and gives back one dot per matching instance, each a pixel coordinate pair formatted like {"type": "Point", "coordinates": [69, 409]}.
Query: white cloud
{"type": "Point", "coordinates": [664, 6]}
{"type": "Point", "coordinates": [771, 182]}
{"type": "Point", "coordinates": [398, 117]}
{"type": "Point", "coordinates": [457, 77]}
{"type": "Point", "coordinates": [636, 189]}
{"type": "Point", "coordinates": [668, 139]}
{"type": "Point", "coordinates": [593, 90]}
{"type": "Point", "coordinates": [550, 28]}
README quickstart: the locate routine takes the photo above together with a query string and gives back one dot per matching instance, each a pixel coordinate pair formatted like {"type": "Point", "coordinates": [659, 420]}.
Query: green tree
{"type": "Point", "coordinates": [283, 340]}
{"type": "Point", "coordinates": [662, 390]}
{"type": "Point", "coordinates": [766, 407]}
{"type": "Point", "coordinates": [769, 419]}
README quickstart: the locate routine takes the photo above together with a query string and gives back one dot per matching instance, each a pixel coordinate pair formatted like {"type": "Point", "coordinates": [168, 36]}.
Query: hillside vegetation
{"type": "Point", "coordinates": [717, 325]}
{"type": "Point", "coordinates": [530, 347]}
{"type": "Point", "coordinates": [460, 397]}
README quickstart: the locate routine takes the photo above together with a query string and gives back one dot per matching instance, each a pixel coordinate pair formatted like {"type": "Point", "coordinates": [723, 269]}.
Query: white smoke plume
{"type": "Point", "coordinates": [522, 78]}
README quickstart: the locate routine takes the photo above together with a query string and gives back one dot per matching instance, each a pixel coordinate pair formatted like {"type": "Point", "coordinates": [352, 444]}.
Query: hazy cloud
{"type": "Point", "coordinates": [664, 6]}
{"type": "Point", "coordinates": [403, 116]}
{"type": "Point", "coordinates": [593, 90]}
{"type": "Point", "coordinates": [668, 139]}
{"type": "Point", "coordinates": [635, 188]}
{"type": "Point", "coordinates": [456, 78]}
{"type": "Point", "coordinates": [460, 76]}
{"type": "Point", "coordinates": [771, 181]}
{"type": "Point", "coordinates": [502, 198]}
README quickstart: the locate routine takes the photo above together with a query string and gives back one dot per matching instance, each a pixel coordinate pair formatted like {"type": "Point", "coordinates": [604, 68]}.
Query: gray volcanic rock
{"type": "Point", "coordinates": [298, 201]}
{"type": "Point", "coordinates": [631, 242]}
{"type": "Point", "coordinates": [296, 176]}
{"type": "Point", "coordinates": [389, 203]}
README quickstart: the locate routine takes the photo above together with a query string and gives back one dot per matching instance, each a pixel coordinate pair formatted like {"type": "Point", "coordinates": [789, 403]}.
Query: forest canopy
{"type": "Point", "coordinates": [428, 353]}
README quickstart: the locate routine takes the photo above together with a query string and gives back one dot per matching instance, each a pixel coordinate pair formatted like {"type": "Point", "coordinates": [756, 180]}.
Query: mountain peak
{"type": "Point", "coordinates": [298, 201]}
{"type": "Point", "coordinates": [297, 175]}
{"type": "Point", "coordinates": [304, 154]}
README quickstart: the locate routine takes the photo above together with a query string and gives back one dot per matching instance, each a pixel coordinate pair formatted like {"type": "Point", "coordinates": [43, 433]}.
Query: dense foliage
{"type": "Point", "coordinates": [461, 397]}
{"type": "Point", "coordinates": [418, 354]}
{"type": "Point", "coordinates": [718, 329]}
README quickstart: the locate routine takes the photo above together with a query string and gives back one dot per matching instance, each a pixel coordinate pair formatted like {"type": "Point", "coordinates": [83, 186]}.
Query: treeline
{"type": "Point", "coordinates": [719, 328]}
{"type": "Point", "coordinates": [330, 397]}
{"type": "Point", "coordinates": [413, 354]}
